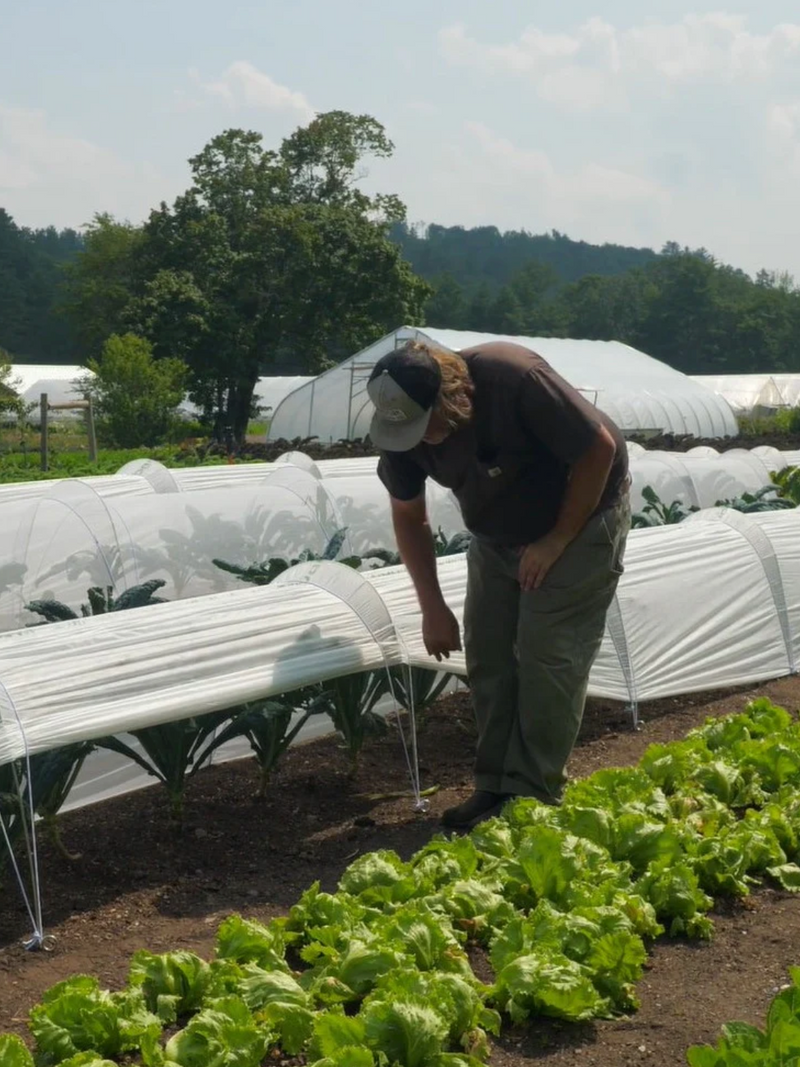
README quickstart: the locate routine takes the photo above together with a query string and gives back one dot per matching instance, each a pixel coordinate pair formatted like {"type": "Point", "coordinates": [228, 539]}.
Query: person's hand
{"type": "Point", "coordinates": [440, 632]}
{"type": "Point", "coordinates": [536, 560]}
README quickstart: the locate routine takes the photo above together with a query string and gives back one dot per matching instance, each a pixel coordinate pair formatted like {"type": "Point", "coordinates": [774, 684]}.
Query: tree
{"type": "Point", "coordinates": [135, 396]}
{"type": "Point", "coordinates": [484, 255]}
{"type": "Point", "coordinates": [272, 255]}
{"type": "Point", "coordinates": [507, 314]}
{"type": "Point", "coordinates": [10, 401]}
{"type": "Point", "coordinates": [446, 307]}
{"type": "Point", "coordinates": [606, 309]}
{"type": "Point", "coordinates": [30, 273]}
{"type": "Point", "coordinates": [479, 311]}
{"type": "Point", "coordinates": [99, 283]}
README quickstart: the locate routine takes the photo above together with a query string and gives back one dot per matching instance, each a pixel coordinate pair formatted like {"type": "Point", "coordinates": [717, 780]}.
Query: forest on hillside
{"type": "Point", "coordinates": [483, 255]}
{"type": "Point", "coordinates": [31, 261]}
{"type": "Point", "coordinates": [679, 305]}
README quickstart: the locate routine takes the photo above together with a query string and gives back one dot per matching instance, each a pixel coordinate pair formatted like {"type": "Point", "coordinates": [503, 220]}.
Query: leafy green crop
{"type": "Point", "coordinates": [13, 1052]}
{"type": "Point", "coordinates": [173, 984]}
{"type": "Point", "coordinates": [776, 497]}
{"type": "Point", "coordinates": [77, 1016]}
{"type": "Point", "coordinates": [742, 1045]}
{"type": "Point", "coordinates": [563, 901]}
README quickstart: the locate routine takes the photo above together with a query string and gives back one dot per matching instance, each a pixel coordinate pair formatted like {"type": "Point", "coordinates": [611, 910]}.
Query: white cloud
{"type": "Point", "coordinates": [585, 190]}
{"type": "Point", "coordinates": [684, 129]}
{"type": "Point", "coordinates": [49, 177]}
{"type": "Point", "coordinates": [577, 71]}
{"type": "Point", "coordinates": [599, 64]}
{"type": "Point", "coordinates": [242, 84]}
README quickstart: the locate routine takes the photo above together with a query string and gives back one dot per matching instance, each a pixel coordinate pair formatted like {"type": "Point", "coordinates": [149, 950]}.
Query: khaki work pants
{"type": "Point", "coordinates": [529, 654]}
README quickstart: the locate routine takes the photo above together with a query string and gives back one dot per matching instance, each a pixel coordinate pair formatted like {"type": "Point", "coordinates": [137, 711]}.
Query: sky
{"type": "Point", "coordinates": [590, 118]}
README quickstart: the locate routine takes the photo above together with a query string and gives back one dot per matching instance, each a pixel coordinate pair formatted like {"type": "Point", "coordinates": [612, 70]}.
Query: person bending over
{"type": "Point", "coordinates": [541, 477]}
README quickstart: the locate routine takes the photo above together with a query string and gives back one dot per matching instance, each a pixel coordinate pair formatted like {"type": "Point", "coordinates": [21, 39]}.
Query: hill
{"type": "Point", "coordinates": [483, 256]}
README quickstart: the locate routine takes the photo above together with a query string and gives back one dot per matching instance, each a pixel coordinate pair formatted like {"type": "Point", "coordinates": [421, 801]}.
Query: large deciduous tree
{"type": "Point", "coordinates": [273, 255]}
{"type": "Point", "coordinates": [99, 282]}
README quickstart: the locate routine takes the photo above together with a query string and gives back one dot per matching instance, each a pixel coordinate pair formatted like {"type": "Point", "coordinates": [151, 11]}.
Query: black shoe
{"type": "Point", "coordinates": [481, 805]}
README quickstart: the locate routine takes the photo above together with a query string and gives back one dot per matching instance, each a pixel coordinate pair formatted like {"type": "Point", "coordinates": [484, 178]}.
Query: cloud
{"type": "Point", "coordinates": [684, 129]}
{"type": "Point", "coordinates": [52, 178]}
{"type": "Point", "coordinates": [243, 85]}
{"type": "Point", "coordinates": [783, 138]}
{"type": "Point", "coordinates": [585, 190]}
{"type": "Point", "coordinates": [601, 65]}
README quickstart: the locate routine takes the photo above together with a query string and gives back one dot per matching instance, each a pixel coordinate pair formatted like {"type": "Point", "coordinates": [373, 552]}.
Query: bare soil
{"type": "Point", "coordinates": [140, 883]}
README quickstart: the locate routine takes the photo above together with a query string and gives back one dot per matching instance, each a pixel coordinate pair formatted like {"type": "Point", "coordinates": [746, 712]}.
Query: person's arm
{"type": "Point", "coordinates": [587, 479]}
{"type": "Point", "coordinates": [440, 630]}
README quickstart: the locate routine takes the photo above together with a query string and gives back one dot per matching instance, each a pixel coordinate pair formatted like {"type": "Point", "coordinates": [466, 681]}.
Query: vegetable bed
{"type": "Point", "coordinates": [557, 901]}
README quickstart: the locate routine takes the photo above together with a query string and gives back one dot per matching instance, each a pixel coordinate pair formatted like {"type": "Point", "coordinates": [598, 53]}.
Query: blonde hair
{"type": "Point", "coordinates": [454, 402]}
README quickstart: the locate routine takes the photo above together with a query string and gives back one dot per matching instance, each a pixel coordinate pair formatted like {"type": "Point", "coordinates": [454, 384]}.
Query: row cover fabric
{"type": "Point", "coordinates": [700, 476]}
{"type": "Point", "coordinates": [639, 393]}
{"type": "Point", "coordinates": [57, 546]}
{"type": "Point", "coordinates": [749, 394]}
{"type": "Point", "coordinates": [120, 531]}
{"type": "Point", "coordinates": [713, 601]}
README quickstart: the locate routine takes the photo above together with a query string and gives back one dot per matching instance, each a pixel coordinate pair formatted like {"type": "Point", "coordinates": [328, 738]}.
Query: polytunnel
{"type": "Point", "coordinates": [270, 391]}
{"type": "Point", "coordinates": [713, 601]}
{"type": "Point", "coordinates": [57, 546]}
{"type": "Point", "coordinates": [639, 393]}
{"type": "Point", "coordinates": [62, 537]}
{"type": "Point", "coordinates": [749, 394]}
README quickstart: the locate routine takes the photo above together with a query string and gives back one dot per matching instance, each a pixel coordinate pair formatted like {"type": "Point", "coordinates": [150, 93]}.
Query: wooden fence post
{"type": "Point", "coordinates": [90, 430]}
{"type": "Point", "coordinates": [43, 408]}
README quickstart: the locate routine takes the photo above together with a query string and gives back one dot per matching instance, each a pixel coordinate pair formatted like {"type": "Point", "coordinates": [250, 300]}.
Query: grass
{"type": "Point", "coordinates": [785, 421]}
{"type": "Point", "coordinates": [69, 455]}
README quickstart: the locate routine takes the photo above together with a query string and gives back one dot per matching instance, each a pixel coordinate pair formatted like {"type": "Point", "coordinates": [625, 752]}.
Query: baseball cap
{"type": "Point", "coordinates": [403, 387]}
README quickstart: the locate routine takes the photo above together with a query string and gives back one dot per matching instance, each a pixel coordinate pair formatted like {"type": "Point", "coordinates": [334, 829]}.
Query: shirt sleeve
{"type": "Point", "coordinates": [402, 476]}
{"type": "Point", "coordinates": [557, 415]}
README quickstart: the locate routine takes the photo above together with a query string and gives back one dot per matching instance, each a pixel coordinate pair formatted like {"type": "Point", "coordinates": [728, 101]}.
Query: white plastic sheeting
{"type": "Point", "coordinates": [61, 385]}
{"type": "Point", "coordinates": [700, 478]}
{"type": "Point", "coordinates": [56, 546]}
{"type": "Point", "coordinates": [150, 522]}
{"type": "Point", "coordinates": [714, 601]}
{"type": "Point", "coordinates": [59, 382]}
{"type": "Point", "coordinates": [749, 394]}
{"type": "Point", "coordinates": [269, 392]}
{"type": "Point", "coordinates": [639, 393]}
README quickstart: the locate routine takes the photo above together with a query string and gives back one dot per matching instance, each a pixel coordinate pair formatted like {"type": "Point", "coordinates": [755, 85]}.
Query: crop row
{"type": "Point", "coordinates": [561, 903]}
{"type": "Point", "coordinates": [174, 752]}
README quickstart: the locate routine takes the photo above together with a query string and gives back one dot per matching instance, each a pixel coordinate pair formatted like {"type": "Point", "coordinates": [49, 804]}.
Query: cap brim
{"type": "Point", "coordinates": [398, 437]}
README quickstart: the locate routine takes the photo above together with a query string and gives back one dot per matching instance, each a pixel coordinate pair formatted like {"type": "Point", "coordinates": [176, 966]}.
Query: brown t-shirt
{"type": "Point", "coordinates": [509, 467]}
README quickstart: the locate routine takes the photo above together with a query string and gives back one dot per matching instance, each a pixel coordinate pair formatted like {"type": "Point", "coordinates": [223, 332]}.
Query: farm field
{"type": "Point", "coordinates": [141, 884]}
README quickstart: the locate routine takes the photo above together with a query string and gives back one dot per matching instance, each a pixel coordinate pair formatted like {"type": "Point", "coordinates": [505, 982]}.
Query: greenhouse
{"type": "Point", "coordinates": [59, 382]}
{"type": "Point", "coordinates": [754, 394]}
{"type": "Point", "coordinates": [641, 394]}
{"type": "Point", "coordinates": [61, 385]}
{"type": "Point", "coordinates": [269, 392]}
